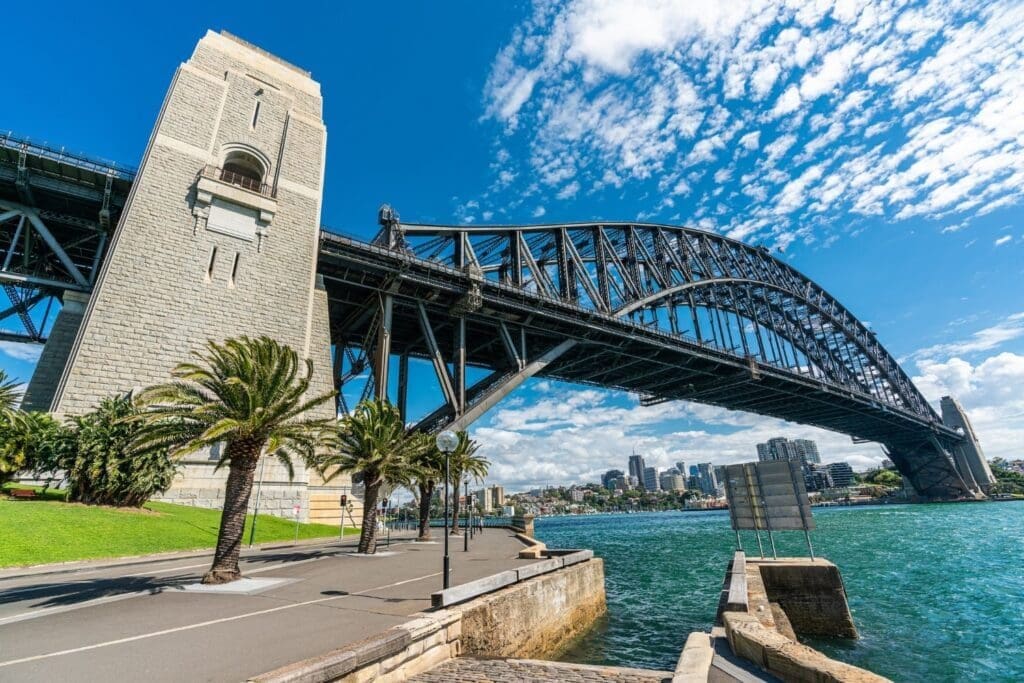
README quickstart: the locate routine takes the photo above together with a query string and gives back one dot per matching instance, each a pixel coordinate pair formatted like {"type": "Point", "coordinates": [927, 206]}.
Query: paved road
{"type": "Point", "coordinates": [139, 622]}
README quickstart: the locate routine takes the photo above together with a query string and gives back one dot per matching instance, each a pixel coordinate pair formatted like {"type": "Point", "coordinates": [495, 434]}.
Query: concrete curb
{"type": "Point", "coordinates": [133, 560]}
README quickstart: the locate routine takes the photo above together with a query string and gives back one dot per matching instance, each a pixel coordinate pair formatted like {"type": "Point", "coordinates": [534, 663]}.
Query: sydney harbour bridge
{"type": "Point", "coordinates": [666, 312]}
{"type": "Point", "coordinates": [122, 272]}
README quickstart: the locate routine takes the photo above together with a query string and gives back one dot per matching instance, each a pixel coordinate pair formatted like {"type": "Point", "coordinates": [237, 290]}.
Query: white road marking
{"type": "Point", "coordinates": [211, 622]}
{"type": "Point", "coordinates": [47, 611]}
{"type": "Point", "coordinates": [60, 609]}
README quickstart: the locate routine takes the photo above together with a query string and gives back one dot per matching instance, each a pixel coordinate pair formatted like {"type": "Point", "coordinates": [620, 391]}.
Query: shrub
{"type": "Point", "coordinates": [102, 467]}
{"type": "Point", "coordinates": [30, 441]}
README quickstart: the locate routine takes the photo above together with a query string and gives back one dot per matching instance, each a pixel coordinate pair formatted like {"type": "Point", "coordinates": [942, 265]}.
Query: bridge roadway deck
{"type": "Point", "coordinates": [138, 622]}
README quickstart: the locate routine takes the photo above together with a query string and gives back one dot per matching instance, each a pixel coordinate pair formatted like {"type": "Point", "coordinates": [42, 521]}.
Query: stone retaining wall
{"type": "Point", "coordinates": [547, 604]}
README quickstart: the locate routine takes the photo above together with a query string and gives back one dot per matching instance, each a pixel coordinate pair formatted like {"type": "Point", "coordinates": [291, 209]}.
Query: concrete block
{"type": "Point", "coordinates": [537, 568]}
{"type": "Point", "coordinates": [695, 660]}
{"type": "Point", "coordinates": [468, 591]}
{"type": "Point", "coordinates": [380, 646]}
{"type": "Point", "coordinates": [577, 557]}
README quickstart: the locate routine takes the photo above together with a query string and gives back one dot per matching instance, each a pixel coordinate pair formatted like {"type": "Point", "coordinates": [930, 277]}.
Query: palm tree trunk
{"type": "Point", "coordinates": [241, 472]}
{"type": "Point", "coordinates": [426, 498]}
{"type": "Point", "coordinates": [368, 534]}
{"type": "Point", "coordinates": [455, 506]}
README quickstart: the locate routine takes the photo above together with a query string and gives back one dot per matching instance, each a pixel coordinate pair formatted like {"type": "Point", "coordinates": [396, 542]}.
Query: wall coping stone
{"type": "Point", "coordinates": [472, 589]}
{"type": "Point", "coordinates": [695, 659]}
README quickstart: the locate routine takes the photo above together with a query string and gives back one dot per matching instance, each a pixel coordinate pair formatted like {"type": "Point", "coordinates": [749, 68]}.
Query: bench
{"type": "Point", "coordinates": [23, 493]}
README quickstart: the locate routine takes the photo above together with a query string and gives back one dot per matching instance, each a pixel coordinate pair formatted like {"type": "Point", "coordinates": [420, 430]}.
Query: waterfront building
{"type": "Point", "coordinates": [841, 473]}
{"type": "Point", "coordinates": [671, 480]}
{"type": "Point", "coordinates": [681, 467]}
{"type": "Point", "coordinates": [636, 466]}
{"type": "Point", "coordinates": [807, 451]}
{"type": "Point", "coordinates": [708, 482]}
{"type": "Point", "coordinates": [817, 478]}
{"type": "Point", "coordinates": [651, 479]}
{"type": "Point", "coordinates": [577, 495]}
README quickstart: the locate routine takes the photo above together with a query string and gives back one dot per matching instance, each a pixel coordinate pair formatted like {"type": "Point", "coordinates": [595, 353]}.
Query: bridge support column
{"type": "Point", "coordinates": [970, 458]}
{"type": "Point", "coordinates": [43, 385]}
{"type": "Point", "coordinates": [218, 239]}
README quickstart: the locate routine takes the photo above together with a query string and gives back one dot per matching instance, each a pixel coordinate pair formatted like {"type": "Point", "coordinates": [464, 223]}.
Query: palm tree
{"type": "Point", "coordinates": [10, 392]}
{"type": "Point", "coordinates": [465, 464]}
{"type": "Point", "coordinates": [428, 473]}
{"type": "Point", "coordinates": [374, 443]}
{"type": "Point", "coordinates": [250, 395]}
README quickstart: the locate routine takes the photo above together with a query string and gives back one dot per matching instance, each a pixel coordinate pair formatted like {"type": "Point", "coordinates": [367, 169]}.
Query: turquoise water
{"type": "Point", "coordinates": [936, 591]}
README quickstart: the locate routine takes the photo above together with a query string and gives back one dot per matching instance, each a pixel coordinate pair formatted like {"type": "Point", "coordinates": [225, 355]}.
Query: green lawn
{"type": "Point", "coordinates": [50, 530]}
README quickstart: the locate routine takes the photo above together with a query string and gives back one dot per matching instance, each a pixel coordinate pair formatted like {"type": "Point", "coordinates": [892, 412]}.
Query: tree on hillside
{"type": "Point", "coordinates": [465, 465]}
{"type": "Point", "coordinates": [252, 396]}
{"type": "Point", "coordinates": [428, 472]}
{"type": "Point", "coordinates": [373, 443]}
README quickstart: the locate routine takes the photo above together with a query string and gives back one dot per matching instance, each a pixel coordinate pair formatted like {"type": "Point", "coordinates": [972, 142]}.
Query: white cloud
{"type": "Point", "coordinates": [985, 339]}
{"type": "Point", "coordinates": [539, 211]}
{"type": "Point", "coordinates": [914, 111]}
{"type": "Point", "coordinates": [567, 434]}
{"type": "Point", "coordinates": [990, 393]}
{"type": "Point", "coordinates": [788, 102]}
{"type": "Point", "coordinates": [1003, 240]}
{"type": "Point", "coordinates": [25, 352]}
{"type": "Point", "coordinates": [751, 140]}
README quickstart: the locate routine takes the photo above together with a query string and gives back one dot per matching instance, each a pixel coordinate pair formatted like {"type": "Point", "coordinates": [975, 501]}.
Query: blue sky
{"type": "Point", "coordinates": [879, 144]}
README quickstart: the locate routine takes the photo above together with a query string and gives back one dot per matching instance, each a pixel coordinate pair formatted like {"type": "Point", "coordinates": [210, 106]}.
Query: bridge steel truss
{"type": "Point", "coordinates": [665, 312]}
{"type": "Point", "coordinates": [56, 212]}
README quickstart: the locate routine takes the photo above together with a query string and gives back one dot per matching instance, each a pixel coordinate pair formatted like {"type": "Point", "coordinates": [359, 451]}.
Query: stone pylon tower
{"type": "Point", "coordinates": [219, 238]}
{"type": "Point", "coordinates": [968, 456]}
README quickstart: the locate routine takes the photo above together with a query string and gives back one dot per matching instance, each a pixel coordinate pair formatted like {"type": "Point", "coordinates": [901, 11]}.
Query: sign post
{"type": "Point", "coordinates": [343, 503]}
{"type": "Point", "coordinates": [297, 508]}
{"type": "Point", "coordinates": [769, 496]}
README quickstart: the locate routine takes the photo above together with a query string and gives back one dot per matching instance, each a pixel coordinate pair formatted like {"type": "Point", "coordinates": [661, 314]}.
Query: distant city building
{"type": "Point", "coordinates": [817, 478]}
{"type": "Point", "coordinates": [577, 495]}
{"type": "Point", "coordinates": [681, 467]}
{"type": "Point", "coordinates": [886, 464]}
{"type": "Point", "coordinates": [671, 480]}
{"type": "Point", "coordinates": [841, 473]}
{"type": "Point", "coordinates": [708, 482]}
{"type": "Point", "coordinates": [609, 478]}
{"type": "Point", "coordinates": [807, 451]}
{"type": "Point", "coordinates": [803, 451]}
{"type": "Point", "coordinates": [637, 467]}
{"type": "Point", "coordinates": [632, 482]}
{"type": "Point", "coordinates": [651, 479]}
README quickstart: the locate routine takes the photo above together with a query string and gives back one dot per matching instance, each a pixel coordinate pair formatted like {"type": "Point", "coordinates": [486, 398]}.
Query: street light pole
{"type": "Point", "coordinates": [469, 517]}
{"type": "Point", "coordinates": [446, 442]}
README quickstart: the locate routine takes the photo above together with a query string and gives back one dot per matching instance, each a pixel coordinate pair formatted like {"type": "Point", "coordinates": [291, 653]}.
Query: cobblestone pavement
{"type": "Point", "coordinates": [524, 670]}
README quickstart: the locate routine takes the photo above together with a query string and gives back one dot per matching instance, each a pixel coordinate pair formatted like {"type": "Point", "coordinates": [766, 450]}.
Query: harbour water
{"type": "Point", "coordinates": [937, 591]}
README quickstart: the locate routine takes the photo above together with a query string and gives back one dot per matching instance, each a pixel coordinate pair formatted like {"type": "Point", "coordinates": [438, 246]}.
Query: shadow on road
{"type": "Point", "coordinates": [75, 592]}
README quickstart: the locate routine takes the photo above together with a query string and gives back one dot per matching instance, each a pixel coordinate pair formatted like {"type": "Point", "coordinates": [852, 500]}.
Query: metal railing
{"type": "Point", "coordinates": [10, 141]}
{"type": "Point", "coordinates": [237, 179]}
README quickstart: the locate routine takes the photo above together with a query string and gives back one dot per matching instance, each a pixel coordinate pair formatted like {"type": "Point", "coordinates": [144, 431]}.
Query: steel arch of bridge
{"type": "Point", "coordinates": [663, 311]}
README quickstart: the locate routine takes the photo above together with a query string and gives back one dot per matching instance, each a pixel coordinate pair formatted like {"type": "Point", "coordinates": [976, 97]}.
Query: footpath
{"type": "Point", "coordinates": [151, 620]}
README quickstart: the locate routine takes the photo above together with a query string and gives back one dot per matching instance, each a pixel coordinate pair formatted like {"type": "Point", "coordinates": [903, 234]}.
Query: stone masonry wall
{"type": "Point", "coordinates": [43, 386]}
{"type": "Point", "coordinates": [166, 286]}
{"type": "Point", "coordinates": [537, 617]}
